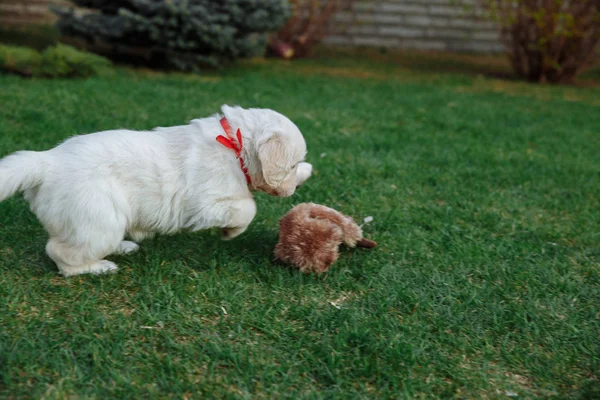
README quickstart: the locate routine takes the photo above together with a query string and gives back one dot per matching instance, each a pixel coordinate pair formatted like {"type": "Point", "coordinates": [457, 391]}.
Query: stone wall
{"type": "Point", "coordinates": [439, 25]}
{"type": "Point", "coordinates": [25, 12]}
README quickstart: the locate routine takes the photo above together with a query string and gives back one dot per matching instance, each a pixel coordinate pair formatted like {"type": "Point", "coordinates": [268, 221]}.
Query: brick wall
{"type": "Point", "coordinates": [443, 25]}
{"type": "Point", "coordinates": [24, 12]}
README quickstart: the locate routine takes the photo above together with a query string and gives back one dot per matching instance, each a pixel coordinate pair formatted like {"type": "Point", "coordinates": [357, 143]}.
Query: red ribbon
{"type": "Point", "coordinates": [234, 145]}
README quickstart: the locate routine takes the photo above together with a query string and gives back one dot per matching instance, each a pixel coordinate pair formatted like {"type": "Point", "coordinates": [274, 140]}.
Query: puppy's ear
{"type": "Point", "coordinates": [274, 160]}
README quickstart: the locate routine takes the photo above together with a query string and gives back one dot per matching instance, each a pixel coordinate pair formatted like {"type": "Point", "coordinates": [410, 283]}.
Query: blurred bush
{"type": "Point", "coordinates": [58, 61]}
{"type": "Point", "coordinates": [181, 34]}
{"type": "Point", "coordinates": [547, 40]}
{"type": "Point", "coordinates": [310, 22]}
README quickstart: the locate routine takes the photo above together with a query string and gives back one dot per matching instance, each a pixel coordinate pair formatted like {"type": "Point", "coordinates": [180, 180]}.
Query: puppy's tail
{"type": "Point", "coordinates": [19, 171]}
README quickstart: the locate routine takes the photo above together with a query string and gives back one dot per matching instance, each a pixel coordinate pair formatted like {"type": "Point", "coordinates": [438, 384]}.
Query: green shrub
{"type": "Point", "coordinates": [181, 34]}
{"type": "Point", "coordinates": [58, 61]}
{"type": "Point", "coordinates": [547, 40]}
{"type": "Point", "coordinates": [20, 60]}
{"type": "Point", "coordinates": [66, 61]}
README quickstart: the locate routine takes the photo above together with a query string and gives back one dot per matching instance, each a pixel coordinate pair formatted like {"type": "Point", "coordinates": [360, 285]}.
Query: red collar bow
{"type": "Point", "coordinates": [234, 145]}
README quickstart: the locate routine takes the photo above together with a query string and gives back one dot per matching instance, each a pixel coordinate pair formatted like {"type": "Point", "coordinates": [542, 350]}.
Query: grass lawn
{"type": "Point", "coordinates": [486, 284]}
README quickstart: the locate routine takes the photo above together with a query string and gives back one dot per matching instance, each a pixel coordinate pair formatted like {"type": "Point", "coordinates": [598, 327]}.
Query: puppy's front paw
{"type": "Point", "coordinates": [303, 173]}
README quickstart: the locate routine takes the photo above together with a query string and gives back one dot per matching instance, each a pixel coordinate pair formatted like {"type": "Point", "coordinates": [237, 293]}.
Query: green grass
{"type": "Point", "coordinates": [486, 202]}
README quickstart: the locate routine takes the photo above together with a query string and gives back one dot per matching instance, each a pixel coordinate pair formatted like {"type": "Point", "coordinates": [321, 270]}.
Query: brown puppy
{"type": "Point", "coordinates": [309, 236]}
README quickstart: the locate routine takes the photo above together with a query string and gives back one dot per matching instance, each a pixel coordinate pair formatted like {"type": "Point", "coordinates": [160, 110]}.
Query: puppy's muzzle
{"type": "Point", "coordinates": [303, 173]}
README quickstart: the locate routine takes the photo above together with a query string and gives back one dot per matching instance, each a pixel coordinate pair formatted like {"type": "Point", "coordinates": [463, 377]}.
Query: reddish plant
{"type": "Point", "coordinates": [548, 40]}
{"type": "Point", "coordinates": [310, 22]}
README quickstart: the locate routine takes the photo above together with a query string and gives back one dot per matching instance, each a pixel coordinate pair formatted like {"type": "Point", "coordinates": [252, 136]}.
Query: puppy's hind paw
{"type": "Point", "coordinates": [103, 267]}
{"type": "Point", "coordinates": [100, 267]}
{"type": "Point", "coordinates": [127, 247]}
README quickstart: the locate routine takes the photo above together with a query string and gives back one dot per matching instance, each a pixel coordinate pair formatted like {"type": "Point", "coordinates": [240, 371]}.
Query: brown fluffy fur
{"type": "Point", "coordinates": [309, 236]}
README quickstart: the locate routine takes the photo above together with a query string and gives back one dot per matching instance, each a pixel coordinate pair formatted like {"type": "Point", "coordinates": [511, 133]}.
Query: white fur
{"type": "Point", "coordinates": [92, 190]}
{"type": "Point", "coordinates": [304, 172]}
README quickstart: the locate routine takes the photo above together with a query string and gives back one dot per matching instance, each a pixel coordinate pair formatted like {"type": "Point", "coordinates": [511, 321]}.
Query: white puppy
{"type": "Point", "coordinates": [93, 190]}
